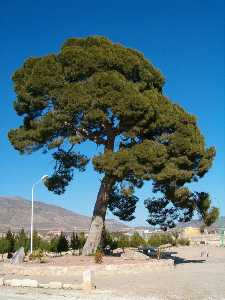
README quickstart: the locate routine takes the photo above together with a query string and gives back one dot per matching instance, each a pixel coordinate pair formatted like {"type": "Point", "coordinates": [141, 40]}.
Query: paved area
{"type": "Point", "coordinates": [194, 277]}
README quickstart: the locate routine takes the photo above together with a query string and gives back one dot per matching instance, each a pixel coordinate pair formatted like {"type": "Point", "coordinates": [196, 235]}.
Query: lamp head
{"type": "Point", "coordinates": [43, 178]}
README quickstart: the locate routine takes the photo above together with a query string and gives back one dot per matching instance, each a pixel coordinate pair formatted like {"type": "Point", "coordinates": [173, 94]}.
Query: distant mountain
{"type": "Point", "coordinates": [15, 214]}
{"type": "Point", "coordinates": [197, 223]}
{"type": "Point", "coordinates": [150, 228]}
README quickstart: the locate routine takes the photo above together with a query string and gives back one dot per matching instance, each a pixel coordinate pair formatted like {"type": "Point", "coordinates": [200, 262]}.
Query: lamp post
{"type": "Point", "coordinates": [43, 178]}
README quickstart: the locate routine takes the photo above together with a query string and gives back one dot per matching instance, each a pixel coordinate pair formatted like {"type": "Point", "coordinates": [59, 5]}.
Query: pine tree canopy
{"type": "Point", "coordinates": [98, 91]}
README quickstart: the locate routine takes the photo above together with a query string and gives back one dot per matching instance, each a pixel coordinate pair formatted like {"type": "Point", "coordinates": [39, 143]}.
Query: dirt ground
{"type": "Point", "coordinates": [193, 277]}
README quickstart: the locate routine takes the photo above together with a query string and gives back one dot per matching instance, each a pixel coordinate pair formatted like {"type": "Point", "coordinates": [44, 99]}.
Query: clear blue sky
{"type": "Point", "coordinates": [184, 39]}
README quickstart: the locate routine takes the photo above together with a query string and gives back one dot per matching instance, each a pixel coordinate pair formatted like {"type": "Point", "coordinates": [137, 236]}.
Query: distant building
{"type": "Point", "coordinates": [190, 232]}
{"type": "Point", "coordinates": [54, 232]}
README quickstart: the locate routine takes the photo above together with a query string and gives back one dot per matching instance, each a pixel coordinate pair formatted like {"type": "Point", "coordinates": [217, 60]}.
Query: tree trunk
{"type": "Point", "coordinates": [98, 219]}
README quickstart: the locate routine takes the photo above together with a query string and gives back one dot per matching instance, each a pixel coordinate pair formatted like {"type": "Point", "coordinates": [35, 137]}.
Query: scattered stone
{"type": "Point", "coordinates": [29, 283]}
{"type": "Point", "coordinates": [43, 285]}
{"type": "Point", "coordinates": [53, 254]}
{"type": "Point", "coordinates": [76, 286]}
{"type": "Point", "coordinates": [76, 252]}
{"type": "Point", "coordinates": [18, 257]}
{"type": "Point", "coordinates": [15, 283]}
{"type": "Point", "coordinates": [26, 258]}
{"type": "Point", "coordinates": [21, 283]}
{"type": "Point", "coordinates": [67, 286]}
{"type": "Point", "coordinates": [1, 281]}
{"type": "Point", "coordinates": [7, 282]}
{"type": "Point", "coordinates": [134, 255]}
{"type": "Point", "coordinates": [118, 251]}
{"type": "Point", "coordinates": [5, 256]}
{"type": "Point", "coordinates": [55, 285]}
{"type": "Point", "coordinates": [88, 280]}
{"type": "Point", "coordinates": [71, 286]}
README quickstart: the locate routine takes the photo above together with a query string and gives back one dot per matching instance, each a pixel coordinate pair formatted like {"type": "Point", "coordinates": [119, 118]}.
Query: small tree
{"type": "Point", "coordinates": [10, 238]}
{"type": "Point", "coordinates": [44, 245]}
{"type": "Point", "coordinates": [136, 240]}
{"type": "Point", "coordinates": [36, 240]}
{"type": "Point", "coordinates": [62, 244]}
{"type": "Point", "coordinates": [123, 241]}
{"type": "Point", "coordinates": [75, 242]}
{"type": "Point", "coordinates": [53, 244]}
{"type": "Point", "coordinates": [108, 240]}
{"type": "Point", "coordinates": [159, 239]}
{"type": "Point", "coordinates": [22, 241]}
{"type": "Point", "coordinates": [3, 246]}
{"type": "Point", "coordinates": [82, 239]}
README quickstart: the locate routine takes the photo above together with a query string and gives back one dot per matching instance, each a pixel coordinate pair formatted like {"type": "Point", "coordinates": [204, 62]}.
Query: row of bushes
{"type": "Point", "coordinates": [11, 242]}
{"type": "Point", "coordinates": [155, 240]}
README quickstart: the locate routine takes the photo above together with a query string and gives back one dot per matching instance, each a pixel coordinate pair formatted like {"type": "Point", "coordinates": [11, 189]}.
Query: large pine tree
{"type": "Point", "coordinates": [96, 91]}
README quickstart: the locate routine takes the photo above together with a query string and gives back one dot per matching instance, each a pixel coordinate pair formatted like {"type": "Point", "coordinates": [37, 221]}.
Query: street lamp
{"type": "Point", "coordinates": [43, 178]}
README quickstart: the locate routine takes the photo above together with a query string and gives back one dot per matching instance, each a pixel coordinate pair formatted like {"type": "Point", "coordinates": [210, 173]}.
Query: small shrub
{"type": "Point", "coordinates": [123, 241]}
{"type": "Point", "coordinates": [136, 240]}
{"type": "Point", "coordinates": [37, 255]}
{"type": "Point", "coordinates": [98, 257]}
{"type": "Point", "coordinates": [159, 239]}
{"type": "Point", "coordinates": [62, 244]}
{"type": "Point", "coordinates": [183, 242]}
{"type": "Point", "coordinates": [74, 242]}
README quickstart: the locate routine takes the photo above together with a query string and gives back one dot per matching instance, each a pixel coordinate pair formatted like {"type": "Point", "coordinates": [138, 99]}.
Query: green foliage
{"type": "Point", "coordinates": [82, 239]}
{"type": "Point", "coordinates": [98, 256]}
{"type": "Point", "coordinates": [62, 243]}
{"type": "Point", "coordinates": [172, 238]}
{"type": "Point", "coordinates": [53, 247]}
{"type": "Point", "coordinates": [108, 240]}
{"type": "Point", "coordinates": [36, 240]}
{"type": "Point", "coordinates": [10, 242]}
{"type": "Point", "coordinates": [75, 242]}
{"type": "Point", "coordinates": [209, 215]}
{"type": "Point", "coordinates": [183, 242]}
{"type": "Point", "coordinates": [37, 254]}
{"type": "Point", "coordinates": [159, 239]}
{"type": "Point", "coordinates": [136, 240]}
{"type": "Point", "coordinates": [123, 241]}
{"type": "Point", "coordinates": [3, 245]}
{"type": "Point", "coordinates": [98, 91]}
{"type": "Point", "coordinates": [122, 203]}
{"type": "Point", "coordinates": [22, 240]}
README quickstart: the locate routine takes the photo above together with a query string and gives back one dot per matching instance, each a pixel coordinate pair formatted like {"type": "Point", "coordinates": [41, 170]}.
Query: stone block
{"type": "Point", "coordinates": [7, 282]}
{"type": "Point", "coordinates": [15, 283]}
{"type": "Point", "coordinates": [88, 280]}
{"type": "Point", "coordinates": [67, 286]}
{"type": "Point", "coordinates": [76, 286]}
{"type": "Point", "coordinates": [1, 281]}
{"type": "Point", "coordinates": [44, 285]}
{"type": "Point", "coordinates": [29, 283]}
{"type": "Point", "coordinates": [55, 285]}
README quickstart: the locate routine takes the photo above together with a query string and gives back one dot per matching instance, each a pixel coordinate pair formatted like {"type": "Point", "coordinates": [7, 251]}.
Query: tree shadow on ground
{"type": "Point", "coordinates": [180, 260]}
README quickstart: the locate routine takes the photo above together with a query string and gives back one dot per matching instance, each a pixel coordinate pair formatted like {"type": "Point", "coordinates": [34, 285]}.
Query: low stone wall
{"type": "Point", "coordinates": [87, 284]}
{"type": "Point", "coordinates": [46, 270]}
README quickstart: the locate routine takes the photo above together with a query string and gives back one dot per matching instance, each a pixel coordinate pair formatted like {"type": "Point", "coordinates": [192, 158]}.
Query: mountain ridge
{"type": "Point", "coordinates": [15, 214]}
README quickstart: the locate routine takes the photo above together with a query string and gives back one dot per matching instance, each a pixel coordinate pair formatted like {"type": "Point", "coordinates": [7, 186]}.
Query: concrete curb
{"type": "Point", "coordinates": [51, 285]}
{"type": "Point", "coordinates": [87, 283]}
{"type": "Point", "coordinates": [47, 270]}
